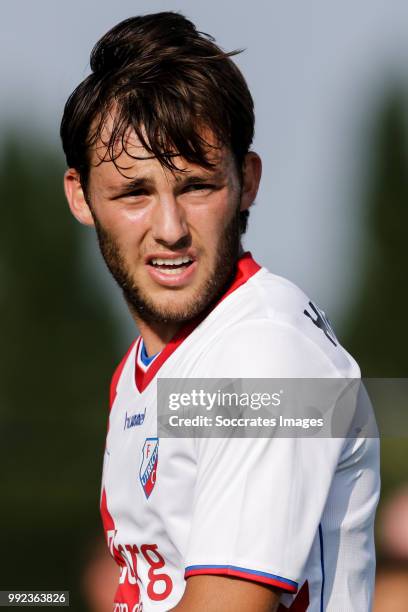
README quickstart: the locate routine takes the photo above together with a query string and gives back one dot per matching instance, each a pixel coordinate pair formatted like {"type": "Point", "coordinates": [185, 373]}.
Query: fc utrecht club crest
{"type": "Point", "coordinates": [147, 473]}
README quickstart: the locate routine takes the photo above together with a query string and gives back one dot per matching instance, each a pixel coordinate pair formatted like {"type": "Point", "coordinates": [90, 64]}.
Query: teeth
{"type": "Point", "coordinates": [158, 261]}
{"type": "Point", "coordinates": [170, 272]}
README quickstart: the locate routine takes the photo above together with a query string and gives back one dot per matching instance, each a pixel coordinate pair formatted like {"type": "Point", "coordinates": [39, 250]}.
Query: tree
{"type": "Point", "coordinates": [377, 330]}
{"type": "Point", "coordinates": [59, 351]}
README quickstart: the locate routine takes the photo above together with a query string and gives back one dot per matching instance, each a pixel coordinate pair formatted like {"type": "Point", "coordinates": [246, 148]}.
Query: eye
{"type": "Point", "coordinates": [199, 187]}
{"type": "Point", "coordinates": [136, 193]}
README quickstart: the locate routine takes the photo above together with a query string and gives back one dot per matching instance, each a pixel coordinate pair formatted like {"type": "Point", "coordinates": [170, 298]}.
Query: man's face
{"type": "Point", "coordinates": [170, 239]}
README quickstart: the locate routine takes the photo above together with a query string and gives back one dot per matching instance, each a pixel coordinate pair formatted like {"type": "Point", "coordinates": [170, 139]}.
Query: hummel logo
{"type": "Point", "coordinates": [322, 322]}
{"type": "Point", "coordinates": [134, 419]}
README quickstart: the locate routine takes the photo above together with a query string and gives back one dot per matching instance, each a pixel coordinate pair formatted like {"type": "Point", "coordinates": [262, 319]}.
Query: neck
{"type": "Point", "coordinates": [156, 335]}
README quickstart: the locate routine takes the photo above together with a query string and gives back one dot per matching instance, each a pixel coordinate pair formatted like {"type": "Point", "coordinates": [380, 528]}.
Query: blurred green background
{"type": "Point", "coordinates": [63, 333]}
{"type": "Point", "coordinates": [62, 347]}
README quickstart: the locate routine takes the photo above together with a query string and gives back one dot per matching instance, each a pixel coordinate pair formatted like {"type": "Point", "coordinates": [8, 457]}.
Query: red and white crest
{"type": "Point", "coordinates": [147, 472]}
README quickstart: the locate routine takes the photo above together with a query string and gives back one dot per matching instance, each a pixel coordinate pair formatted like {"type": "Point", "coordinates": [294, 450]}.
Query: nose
{"type": "Point", "coordinates": [169, 226]}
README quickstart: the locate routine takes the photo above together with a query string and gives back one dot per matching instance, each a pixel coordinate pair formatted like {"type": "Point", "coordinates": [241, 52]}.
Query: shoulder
{"type": "Point", "coordinates": [271, 328]}
{"type": "Point", "coordinates": [118, 373]}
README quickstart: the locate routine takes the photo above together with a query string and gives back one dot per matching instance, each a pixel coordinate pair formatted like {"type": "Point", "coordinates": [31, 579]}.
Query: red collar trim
{"type": "Point", "coordinates": [246, 267]}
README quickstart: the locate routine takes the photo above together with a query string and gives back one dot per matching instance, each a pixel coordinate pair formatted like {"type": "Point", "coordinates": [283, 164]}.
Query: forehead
{"type": "Point", "coordinates": [127, 156]}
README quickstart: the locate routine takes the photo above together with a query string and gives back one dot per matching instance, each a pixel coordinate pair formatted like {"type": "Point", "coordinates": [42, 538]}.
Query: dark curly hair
{"type": "Point", "coordinates": [160, 76]}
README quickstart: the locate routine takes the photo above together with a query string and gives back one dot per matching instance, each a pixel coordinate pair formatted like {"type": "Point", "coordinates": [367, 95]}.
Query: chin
{"type": "Point", "coordinates": [178, 305]}
{"type": "Point", "coordinates": [177, 308]}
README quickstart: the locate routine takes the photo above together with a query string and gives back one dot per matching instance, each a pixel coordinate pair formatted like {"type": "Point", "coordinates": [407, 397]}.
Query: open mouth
{"type": "Point", "coordinates": [171, 266]}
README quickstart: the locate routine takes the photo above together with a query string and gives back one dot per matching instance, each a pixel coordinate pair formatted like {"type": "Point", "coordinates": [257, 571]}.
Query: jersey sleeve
{"type": "Point", "coordinates": [117, 374]}
{"type": "Point", "coordinates": [258, 502]}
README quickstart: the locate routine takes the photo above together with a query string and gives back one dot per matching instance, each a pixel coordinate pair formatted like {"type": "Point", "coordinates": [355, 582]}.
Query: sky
{"type": "Point", "coordinates": [317, 71]}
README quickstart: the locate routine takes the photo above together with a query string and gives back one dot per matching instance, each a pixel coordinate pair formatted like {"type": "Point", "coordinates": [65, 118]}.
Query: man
{"type": "Point", "coordinates": [157, 141]}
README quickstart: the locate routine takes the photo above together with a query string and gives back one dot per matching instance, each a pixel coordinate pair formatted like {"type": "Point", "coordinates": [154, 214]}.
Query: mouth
{"type": "Point", "coordinates": [171, 271]}
{"type": "Point", "coordinates": [171, 266]}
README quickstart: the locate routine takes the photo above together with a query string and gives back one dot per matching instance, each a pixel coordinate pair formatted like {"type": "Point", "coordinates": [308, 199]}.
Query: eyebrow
{"type": "Point", "coordinates": [181, 180]}
{"type": "Point", "coordinates": [130, 185]}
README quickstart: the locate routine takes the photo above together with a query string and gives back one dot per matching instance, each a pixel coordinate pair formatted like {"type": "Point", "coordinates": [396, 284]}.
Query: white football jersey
{"type": "Point", "coordinates": [295, 513]}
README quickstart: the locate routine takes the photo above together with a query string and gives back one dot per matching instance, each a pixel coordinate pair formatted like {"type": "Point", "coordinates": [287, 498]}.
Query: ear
{"type": "Point", "coordinates": [251, 176]}
{"type": "Point", "coordinates": [76, 198]}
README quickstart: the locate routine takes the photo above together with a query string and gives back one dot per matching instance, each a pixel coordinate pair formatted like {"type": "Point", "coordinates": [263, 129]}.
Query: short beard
{"type": "Point", "coordinates": [211, 291]}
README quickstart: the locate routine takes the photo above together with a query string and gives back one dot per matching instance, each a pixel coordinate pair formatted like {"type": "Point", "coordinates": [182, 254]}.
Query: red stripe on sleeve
{"type": "Point", "coordinates": [227, 571]}
{"type": "Point", "coordinates": [116, 376]}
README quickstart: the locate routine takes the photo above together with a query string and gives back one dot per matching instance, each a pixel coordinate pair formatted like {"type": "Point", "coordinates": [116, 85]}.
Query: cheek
{"type": "Point", "coordinates": [126, 226]}
{"type": "Point", "coordinates": [210, 221]}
